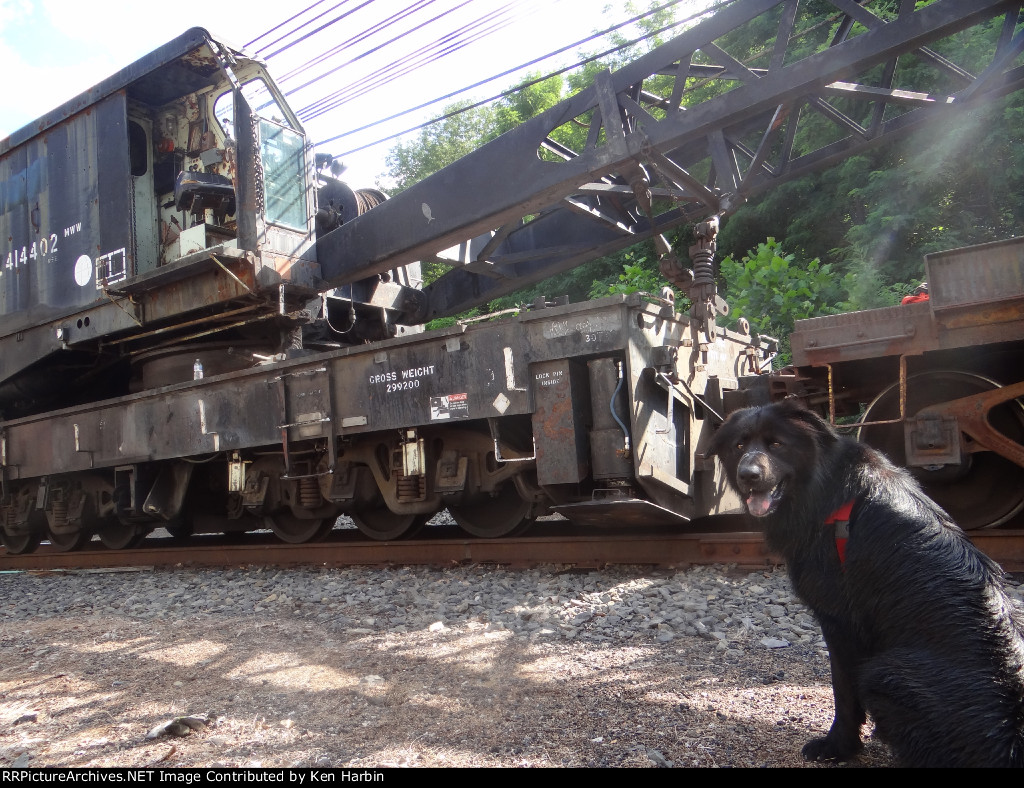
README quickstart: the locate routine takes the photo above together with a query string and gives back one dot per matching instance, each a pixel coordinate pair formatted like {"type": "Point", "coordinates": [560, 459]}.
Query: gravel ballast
{"type": "Point", "coordinates": [359, 667]}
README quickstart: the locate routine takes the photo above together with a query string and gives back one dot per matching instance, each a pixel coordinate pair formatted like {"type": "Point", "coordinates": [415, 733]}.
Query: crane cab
{"type": "Point", "coordinates": [176, 192]}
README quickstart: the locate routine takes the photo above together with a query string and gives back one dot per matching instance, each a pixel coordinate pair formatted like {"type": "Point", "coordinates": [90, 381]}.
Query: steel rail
{"type": "Point", "coordinates": [664, 550]}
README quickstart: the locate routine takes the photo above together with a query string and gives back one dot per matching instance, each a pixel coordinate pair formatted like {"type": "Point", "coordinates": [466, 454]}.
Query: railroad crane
{"type": "Point", "coordinates": [202, 329]}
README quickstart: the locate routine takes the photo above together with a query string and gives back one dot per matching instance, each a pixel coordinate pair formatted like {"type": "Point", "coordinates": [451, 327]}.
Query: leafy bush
{"type": "Point", "coordinates": [772, 291]}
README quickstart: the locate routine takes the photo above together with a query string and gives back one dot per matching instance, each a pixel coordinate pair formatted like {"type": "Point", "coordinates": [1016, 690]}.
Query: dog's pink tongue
{"type": "Point", "coordinates": [759, 503]}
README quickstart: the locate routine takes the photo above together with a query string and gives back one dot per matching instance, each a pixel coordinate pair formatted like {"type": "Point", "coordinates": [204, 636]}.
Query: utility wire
{"type": "Point", "coordinates": [363, 36]}
{"type": "Point", "coordinates": [307, 112]}
{"type": "Point", "coordinates": [288, 21]}
{"type": "Point", "coordinates": [427, 54]}
{"type": "Point", "coordinates": [377, 27]}
{"type": "Point", "coordinates": [324, 26]}
{"type": "Point", "coordinates": [420, 4]}
{"type": "Point", "coordinates": [521, 86]}
{"type": "Point", "coordinates": [382, 69]}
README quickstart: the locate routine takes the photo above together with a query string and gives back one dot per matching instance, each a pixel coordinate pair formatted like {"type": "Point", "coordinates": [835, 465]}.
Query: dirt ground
{"type": "Point", "coordinates": [274, 691]}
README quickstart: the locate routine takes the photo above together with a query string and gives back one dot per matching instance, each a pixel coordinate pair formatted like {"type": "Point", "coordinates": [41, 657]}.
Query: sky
{"type": "Point", "coordinates": [58, 48]}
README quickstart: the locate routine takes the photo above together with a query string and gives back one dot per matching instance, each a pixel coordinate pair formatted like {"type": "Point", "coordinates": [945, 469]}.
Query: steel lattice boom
{"type": "Point", "coordinates": [657, 155]}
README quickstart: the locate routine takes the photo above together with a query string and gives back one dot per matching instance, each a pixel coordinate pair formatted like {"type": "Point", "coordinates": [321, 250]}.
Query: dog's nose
{"type": "Point", "coordinates": [749, 472]}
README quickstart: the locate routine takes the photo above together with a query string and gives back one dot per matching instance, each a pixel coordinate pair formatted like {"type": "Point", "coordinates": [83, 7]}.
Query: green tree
{"type": "Point", "coordinates": [465, 128]}
{"type": "Point", "coordinates": [772, 291]}
{"type": "Point", "coordinates": [439, 144]}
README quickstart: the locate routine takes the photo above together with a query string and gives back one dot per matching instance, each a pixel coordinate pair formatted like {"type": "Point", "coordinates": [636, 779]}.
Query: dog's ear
{"type": "Point", "coordinates": [799, 414]}
{"type": "Point", "coordinates": [714, 448]}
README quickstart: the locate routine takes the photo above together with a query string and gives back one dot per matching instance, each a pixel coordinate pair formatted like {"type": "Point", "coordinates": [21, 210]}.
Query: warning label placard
{"type": "Point", "coordinates": [450, 406]}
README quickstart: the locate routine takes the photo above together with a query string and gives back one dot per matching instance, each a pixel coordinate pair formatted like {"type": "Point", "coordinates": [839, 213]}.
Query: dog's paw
{"type": "Point", "coordinates": [828, 749]}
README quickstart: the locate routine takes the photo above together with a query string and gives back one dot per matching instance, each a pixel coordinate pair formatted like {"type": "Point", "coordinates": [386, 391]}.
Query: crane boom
{"type": "Point", "coordinates": [524, 206]}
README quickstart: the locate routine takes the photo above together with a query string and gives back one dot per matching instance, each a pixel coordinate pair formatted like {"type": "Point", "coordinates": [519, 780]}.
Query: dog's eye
{"type": "Point", "coordinates": [739, 447]}
{"type": "Point", "coordinates": [774, 444]}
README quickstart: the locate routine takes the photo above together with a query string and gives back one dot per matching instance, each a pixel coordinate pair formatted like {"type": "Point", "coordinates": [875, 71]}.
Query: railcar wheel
{"type": "Point", "coordinates": [55, 519]}
{"type": "Point", "coordinates": [985, 489]}
{"type": "Point", "coordinates": [506, 514]}
{"type": "Point", "coordinates": [66, 543]}
{"type": "Point", "coordinates": [384, 525]}
{"type": "Point", "coordinates": [295, 530]}
{"type": "Point", "coordinates": [19, 544]}
{"type": "Point", "coordinates": [116, 536]}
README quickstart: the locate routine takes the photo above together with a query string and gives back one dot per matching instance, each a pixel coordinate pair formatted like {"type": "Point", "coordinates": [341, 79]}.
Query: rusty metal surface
{"type": "Point", "coordinates": [371, 388]}
{"type": "Point", "coordinates": [977, 277]}
{"type": "Point", "coordinates": [909, 329]}
{"type": "Point", "coordinates": [971, 414]}
{"type": "Point", "coordinates": [887, 331]}
{"type": "Point", "coordinates": [664, 550]}
{"type": "Point", "coordinates": [745, 549]}
{"type": "Point", "coordinates": [560, 414]}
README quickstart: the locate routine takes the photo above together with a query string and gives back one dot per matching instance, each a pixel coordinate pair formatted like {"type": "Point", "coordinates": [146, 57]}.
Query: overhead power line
{"type": "Point", "coordinates": [362, 36]}
{"type": "Point", "coordinates": [429, 53]}
{"type": "Point", "coordinates": [515, 69]}
{"type": "Point", "coordinates": [324, 26]}
{"type": "Point", "coordinates": [286, 22]}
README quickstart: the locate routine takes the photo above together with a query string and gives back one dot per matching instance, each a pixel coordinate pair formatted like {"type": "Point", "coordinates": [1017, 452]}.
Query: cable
{"type": "Point", "coordinates": [519, 68]}
{"type": "Point", "coordinates": [364, 35]}
{"type": "Point", "coordinates": [377, 48]}
{"type": "Point", "coordinates": [310, 115]}
{"type": "Point", "coordinates": [408, 62]}
{"type": "Point", "coordinates": [396, 69]}
{"type": "Point", "coordinates": [521, 86]}
{"type": "Point", "coordinates": [285, 22]}
{"type": "Point", "coordinates": [419, 5]}
{"type": "Point", "coordinates": [324, 26]}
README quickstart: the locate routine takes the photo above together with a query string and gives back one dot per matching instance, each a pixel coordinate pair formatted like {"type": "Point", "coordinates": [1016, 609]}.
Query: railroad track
{"type": "Point", "coordinates": [448, 547]}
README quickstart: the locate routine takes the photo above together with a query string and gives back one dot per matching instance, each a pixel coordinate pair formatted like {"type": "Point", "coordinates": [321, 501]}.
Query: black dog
{"type": "Point", "coordinates": [920, 632]}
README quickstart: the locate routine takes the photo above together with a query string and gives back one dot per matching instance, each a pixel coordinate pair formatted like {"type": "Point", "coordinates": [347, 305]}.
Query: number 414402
{"type": "Point", "coordinates": [44, 247]}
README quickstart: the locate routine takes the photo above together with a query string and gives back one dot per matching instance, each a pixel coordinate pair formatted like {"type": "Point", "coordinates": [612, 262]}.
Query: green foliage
{"type": "Point", "coordinates": [438, 145]}
{"type": "Point", "coordinates": [528, 102]}
{"type": "Point", "coordinates": [868, 290]}
{"type": "Point", "coordinates": [445, 322]}
{"type": "Point", "coordinates": [639, 274]}
{"type": "Point", "coordinates": [874, 216]}
{"type": "Point", "coordinates": [772, 291]}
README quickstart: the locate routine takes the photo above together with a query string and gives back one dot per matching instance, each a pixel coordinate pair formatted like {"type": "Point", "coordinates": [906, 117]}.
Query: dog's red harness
{"type": "Point", "coordinates": [840, 518]}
